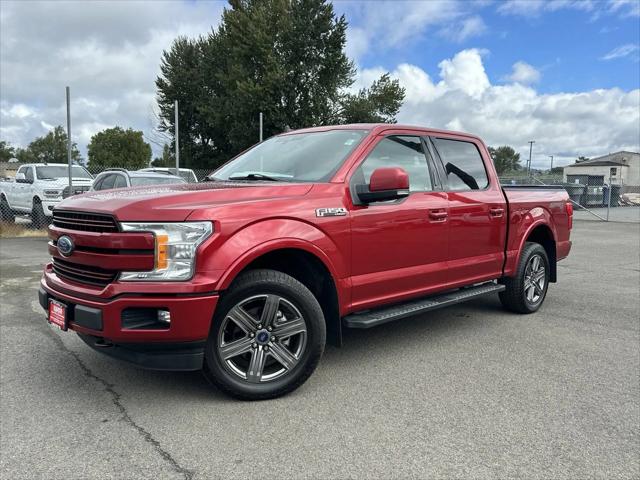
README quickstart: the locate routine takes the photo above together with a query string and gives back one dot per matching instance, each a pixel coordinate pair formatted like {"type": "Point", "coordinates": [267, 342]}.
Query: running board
{"type": "Point", "coordinates": [373, 318]}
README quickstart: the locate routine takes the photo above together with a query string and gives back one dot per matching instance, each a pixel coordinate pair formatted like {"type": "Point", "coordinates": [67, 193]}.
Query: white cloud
{"type": "Point", "coordinates": [467, 28]}
{"type": "Point", "coordinates": [524, 73]}
{"type": "Point", "coordinates": [565, 125]}
{"type": "Point", "coordinates": [387, 24]}
{"type": "Point", "coordinates": [627, 8]}
{"type": "Point", "coordinates": [534, 8]}
{"type": "Point", "coordinates": [621, 51]}
{"type": "Point", "coordinates": [107, 52]}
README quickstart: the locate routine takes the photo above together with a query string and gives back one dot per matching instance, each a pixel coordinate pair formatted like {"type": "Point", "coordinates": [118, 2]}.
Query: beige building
{"type": "Point", "coordinates": [620, 168]}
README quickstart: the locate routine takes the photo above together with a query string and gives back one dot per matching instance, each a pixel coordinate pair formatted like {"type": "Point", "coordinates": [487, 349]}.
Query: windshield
{"type": "Point", "coordinates": [300, 157]}
{"type": "Point", "coordinates": [61, 171]}
{"type": "Point", "coordinates": [138, 181]}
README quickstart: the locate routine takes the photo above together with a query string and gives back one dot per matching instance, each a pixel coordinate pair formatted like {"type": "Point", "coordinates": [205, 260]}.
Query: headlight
{"type": "Point", "coordinates": [52, 193]}
{"type": "Point", "coordinates": [175, 250]}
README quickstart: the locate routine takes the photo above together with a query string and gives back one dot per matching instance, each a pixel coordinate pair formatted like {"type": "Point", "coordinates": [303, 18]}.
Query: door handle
{"type": "Point", "coordinates": [496, 212]}
{"type": "Point", "coordinates": [438, 215]}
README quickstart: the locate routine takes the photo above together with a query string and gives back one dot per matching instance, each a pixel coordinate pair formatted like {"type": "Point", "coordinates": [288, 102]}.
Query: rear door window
{"type": "Point", "coordinates": [463, 164]}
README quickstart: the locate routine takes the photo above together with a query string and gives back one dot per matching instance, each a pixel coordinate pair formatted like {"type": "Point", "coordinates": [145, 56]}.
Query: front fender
{"type": "Point", "coordinates": [231, 255]}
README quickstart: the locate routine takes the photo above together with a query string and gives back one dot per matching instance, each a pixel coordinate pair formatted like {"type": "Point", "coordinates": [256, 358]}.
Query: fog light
{"type": "Point", "coordinates": [164, 316]}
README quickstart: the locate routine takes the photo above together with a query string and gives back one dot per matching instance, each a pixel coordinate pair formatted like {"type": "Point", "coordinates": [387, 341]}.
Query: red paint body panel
{"type": "Point", "coordinates": [376, 254]}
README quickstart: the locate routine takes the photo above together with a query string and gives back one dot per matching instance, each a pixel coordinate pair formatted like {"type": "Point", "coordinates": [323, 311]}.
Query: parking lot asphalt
{"type": "Point", "coordinates": [466, 392]}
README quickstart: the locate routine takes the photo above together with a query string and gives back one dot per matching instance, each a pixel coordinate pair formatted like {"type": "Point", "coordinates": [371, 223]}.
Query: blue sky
{"type": "Point", "coordinates": [567, 45]}
{"type": "Point", "coordinates": [565, 73]}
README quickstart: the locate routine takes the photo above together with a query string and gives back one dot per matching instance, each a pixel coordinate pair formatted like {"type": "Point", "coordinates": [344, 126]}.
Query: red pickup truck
{"type": "Point", "coordinates": [249, 274]}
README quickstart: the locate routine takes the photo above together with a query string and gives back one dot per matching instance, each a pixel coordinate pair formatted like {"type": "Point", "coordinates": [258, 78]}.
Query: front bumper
{"type": "Point", "coordinates": [98, 321]}
{"type": "Point", "coordinates": [49, 204]}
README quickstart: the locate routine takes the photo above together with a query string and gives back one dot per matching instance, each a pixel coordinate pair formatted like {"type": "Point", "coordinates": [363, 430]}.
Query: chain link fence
{"type": "Point", "coordinates": [599, 197]}
{"type": "Point", "coordinates": [595, 197]}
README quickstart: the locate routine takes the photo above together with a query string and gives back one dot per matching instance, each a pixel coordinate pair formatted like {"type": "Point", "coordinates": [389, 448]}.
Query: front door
{"type": "Point", "coordinates": [399, 247]}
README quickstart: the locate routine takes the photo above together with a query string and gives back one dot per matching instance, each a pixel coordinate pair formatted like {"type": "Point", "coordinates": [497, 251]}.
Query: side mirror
{"type": "Point", "coordinates": [387, 183]}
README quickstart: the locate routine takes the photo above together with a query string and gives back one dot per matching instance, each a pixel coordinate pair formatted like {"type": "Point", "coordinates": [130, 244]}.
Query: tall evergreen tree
{"type": "Point", "coordinates": [284, 58]}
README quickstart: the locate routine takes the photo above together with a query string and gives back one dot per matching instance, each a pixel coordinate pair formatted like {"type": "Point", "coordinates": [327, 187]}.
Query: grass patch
{"type": "Point", "coordinates": [13, 230]}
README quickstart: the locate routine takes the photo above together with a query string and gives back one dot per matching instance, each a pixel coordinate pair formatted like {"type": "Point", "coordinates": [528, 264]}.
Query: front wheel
{"type": "Point", "coordinates": [6, 214]}
{"type": "Point", "coordinates": [38, 218]}
{"type": "Point", "coordinates": [267, 336]}
{"type": "Point", "coordinates": [526, 291]}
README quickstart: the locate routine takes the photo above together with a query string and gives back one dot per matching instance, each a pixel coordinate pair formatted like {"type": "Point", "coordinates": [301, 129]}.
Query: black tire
{"type": "Point", "coordinates": [288, 291]}
{"type": "Point", "coordinates": [6, 214]}
{"type": "Point", "coordinates": [515, 297]}
{"type": "Point", "coordinates": [38, 218]}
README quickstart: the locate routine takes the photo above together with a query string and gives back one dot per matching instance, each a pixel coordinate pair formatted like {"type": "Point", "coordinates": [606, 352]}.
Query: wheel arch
{"type": "Point", "coordinates": [541, 233]}
{"type": "Point", "coordinates": [307, 264]}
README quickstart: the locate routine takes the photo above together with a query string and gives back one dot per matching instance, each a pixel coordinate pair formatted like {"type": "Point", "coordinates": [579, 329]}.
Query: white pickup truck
{"type": "Point", "coordinates": [38, 188]}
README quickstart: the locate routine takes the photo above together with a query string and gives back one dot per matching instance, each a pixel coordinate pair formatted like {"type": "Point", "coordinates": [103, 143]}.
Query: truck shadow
{"type": "Point", "coordinates": [359, 347]}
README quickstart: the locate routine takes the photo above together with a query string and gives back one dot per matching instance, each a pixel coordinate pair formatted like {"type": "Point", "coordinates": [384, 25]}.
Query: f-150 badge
{"type": "Point", "coordinates": [331, 212]}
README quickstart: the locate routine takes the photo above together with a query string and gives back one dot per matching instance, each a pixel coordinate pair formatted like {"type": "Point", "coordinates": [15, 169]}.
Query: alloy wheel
{"type": "Point", "coordinates": [262, 338]}
{"type": "Point", "coordinates": [535, 278]}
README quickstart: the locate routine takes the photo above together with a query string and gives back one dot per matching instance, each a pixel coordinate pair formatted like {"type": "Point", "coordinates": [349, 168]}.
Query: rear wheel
{"type": "Point", "coordinates": [6, 214]}
{"type": "Point", "coordinates": [267, 337]}
{"type": "Point", "coordinates": [38, 218]}
{"type": "Point", "coordinates": [526, 291]}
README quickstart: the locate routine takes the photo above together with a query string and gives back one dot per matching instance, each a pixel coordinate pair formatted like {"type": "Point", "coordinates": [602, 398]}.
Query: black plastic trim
{"type": "Point", "coordinates": [187, 356]}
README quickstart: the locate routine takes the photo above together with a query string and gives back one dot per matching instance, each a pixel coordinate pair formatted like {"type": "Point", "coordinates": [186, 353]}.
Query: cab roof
{"type": "Point", "coordinates": [378, 128]}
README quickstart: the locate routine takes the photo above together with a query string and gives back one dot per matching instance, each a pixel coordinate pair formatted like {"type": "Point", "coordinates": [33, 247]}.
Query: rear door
{"type": "Point", "coordinates": [399, 247]}
{"type": "Point", "coordinates": [477, 210]}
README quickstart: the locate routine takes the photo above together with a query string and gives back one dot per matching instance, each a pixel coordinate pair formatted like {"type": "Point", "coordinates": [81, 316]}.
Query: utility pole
{"type": "Point", "coordinates": [176, 139]}
{"type": "Point", "coordinates": [69, 139]}
{"type": "Point", "coordinates": [260, 127]}
{"type": "Point", "coordinates": [551, 157]}
{"type": "Point", "coordinates": [531, 142]}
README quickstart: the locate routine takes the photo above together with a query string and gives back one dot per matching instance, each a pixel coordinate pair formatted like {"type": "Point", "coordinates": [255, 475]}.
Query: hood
{"type": "Point", "coordinates": [176, 202]}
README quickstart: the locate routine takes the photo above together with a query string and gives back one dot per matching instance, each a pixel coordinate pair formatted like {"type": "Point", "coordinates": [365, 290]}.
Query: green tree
{"type": "Point", "coordinates": [505, 158]}
{"type": "Point", "coordinates": [581, 159]}
{"type": "Point", "coordinates": [284, 58]}
{"type": "Point", "coordinates": [7, 152]}
{"type": "Point", "coordinates": [380, 103]}
{"type": "Point", "coordinates": [116, 147]}
{"type": "Point", "coordinates": [51, 148]}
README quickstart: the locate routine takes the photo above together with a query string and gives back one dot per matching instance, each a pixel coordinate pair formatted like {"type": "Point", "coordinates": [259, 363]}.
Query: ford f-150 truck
{"type": "Point", "coordinates": [38, 188]}
{"type": "Point", "coordinates": [249, 274]}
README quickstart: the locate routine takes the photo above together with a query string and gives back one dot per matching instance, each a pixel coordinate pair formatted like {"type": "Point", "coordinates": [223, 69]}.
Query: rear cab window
{"type": "Point", "coordinates": [463, 164]}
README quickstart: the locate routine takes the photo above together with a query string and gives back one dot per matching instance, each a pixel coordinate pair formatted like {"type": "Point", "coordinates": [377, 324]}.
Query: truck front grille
{"type": "Point", "coordinates": [85, 222]}
{"type": "Point", "coordinates": [83, 273]}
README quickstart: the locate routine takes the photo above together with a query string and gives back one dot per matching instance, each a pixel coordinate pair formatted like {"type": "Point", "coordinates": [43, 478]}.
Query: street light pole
{"type": "Point", "coordinates": [176, 135]}
{"type": "Point", "coordinates": [551, 157]}
{"type": "Point", "coordinates": [531, 142]}
{"type": "Point", "coordinates": [69, 139]}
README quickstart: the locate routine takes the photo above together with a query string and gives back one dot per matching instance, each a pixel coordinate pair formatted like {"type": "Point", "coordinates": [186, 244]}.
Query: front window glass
{"type": "Point", "coordinates": [139, 181]}
{"type": "Point", "coordinates": [59, 171]}
{"type": "Point", "coordinates": [405, 152]}
{"type": "Point", "coordinates": [299, 157]}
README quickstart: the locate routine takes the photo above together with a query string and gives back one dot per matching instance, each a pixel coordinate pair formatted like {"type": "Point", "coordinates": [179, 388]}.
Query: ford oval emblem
{"type": "Point", "coordinates": [65, 245]}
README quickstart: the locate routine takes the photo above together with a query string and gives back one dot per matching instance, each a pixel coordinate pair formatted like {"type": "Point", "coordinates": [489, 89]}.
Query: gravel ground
{"type": "Point", "coordinates": [466, 392]}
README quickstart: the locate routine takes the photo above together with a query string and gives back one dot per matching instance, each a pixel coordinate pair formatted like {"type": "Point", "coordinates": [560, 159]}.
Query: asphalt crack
{"type": "Point", "coordinates": [115, 397]}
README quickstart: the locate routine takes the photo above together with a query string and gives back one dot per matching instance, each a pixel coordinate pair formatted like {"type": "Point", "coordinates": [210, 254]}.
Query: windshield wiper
{"type": "Point", "coordinates": [255, 176]}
